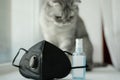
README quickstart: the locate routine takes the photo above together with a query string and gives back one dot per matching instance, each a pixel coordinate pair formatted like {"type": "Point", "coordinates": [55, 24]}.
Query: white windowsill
{"type": "Point", "coordinates": [6, 68]}
{"type": "Point", "coordinates": [8, 72]}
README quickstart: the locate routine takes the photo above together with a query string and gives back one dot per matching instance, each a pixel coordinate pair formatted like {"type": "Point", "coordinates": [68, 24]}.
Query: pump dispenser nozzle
{"type": "Point", "coordinates": [79, 47]}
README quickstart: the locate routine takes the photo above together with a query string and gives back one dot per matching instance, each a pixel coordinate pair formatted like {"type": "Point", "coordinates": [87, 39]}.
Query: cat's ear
{"type": "Point", "coordinates": [79, 1]}
{"type": "Point", "coordinates": [53, 2]}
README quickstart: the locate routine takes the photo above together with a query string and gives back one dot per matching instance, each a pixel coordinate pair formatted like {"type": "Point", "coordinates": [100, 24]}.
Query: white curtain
{"type": "Point", "coordinates": [91, 14]}
{"type": "Point", "coordinates": [111, 20]}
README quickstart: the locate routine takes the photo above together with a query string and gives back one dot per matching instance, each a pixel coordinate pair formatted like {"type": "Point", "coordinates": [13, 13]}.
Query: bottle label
{"type": "Point", "coordinates": [79, 61]}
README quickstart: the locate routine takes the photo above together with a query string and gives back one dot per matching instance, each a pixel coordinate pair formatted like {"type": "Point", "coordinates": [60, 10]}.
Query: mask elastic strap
{"type": "Point", "coordinates": [68, 53]}
{"type": "Point", "coordinates": [78, 67]}
{"type": "Point", "coordinates": [17, 56]}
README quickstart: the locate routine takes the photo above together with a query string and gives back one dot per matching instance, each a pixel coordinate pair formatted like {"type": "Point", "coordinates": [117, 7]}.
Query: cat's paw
{"type": "Point", "coordinates": [89, 67]}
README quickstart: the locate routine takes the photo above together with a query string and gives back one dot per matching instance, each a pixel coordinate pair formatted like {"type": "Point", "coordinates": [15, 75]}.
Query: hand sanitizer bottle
{"type": "Point", "coordinates": [79, 59]}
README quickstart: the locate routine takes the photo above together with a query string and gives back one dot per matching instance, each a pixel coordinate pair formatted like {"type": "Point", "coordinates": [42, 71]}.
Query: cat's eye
{"type": "Point", "coordinates": [58, 17]}
{"type": "Point", "coordinates": [71, 17]}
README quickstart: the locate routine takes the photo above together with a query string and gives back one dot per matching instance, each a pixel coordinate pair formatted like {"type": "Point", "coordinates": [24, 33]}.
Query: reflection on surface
{"type": "Point", "coordinates": [103, 73]}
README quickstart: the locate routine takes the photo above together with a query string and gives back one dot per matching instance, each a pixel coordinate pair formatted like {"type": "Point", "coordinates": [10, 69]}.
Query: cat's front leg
{"type": "Point", "coordinates": [88, 49]}
{"type": "Point", "coordinates": [67, 45]}
{"type": "Point", "coordinates": [51, 39]}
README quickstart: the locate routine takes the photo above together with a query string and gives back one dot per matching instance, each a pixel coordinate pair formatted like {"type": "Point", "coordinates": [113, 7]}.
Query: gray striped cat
{"type": "Point", "coordinates": [61, 25]}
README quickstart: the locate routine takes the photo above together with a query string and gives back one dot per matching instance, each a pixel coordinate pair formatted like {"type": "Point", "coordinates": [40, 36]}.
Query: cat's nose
{"type": "Point", "coordinates": [64, 21]}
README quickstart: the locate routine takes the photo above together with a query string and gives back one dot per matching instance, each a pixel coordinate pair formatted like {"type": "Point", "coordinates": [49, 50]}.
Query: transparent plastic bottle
{"type": "Point", "coordinates": [79, 59]}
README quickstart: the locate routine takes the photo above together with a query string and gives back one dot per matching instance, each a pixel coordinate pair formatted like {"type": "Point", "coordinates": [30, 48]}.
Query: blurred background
{"type": "Point", "coordinates": [19, 27]}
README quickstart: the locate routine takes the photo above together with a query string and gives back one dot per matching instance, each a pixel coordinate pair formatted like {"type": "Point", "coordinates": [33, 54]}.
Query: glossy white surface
{"type": "Point", "coordinates": [104, 73]}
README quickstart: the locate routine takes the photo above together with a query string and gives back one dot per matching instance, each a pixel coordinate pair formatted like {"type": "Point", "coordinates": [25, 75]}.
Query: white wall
{"type": "Point", "coordinates": [91, 14]}
{"type": "Point", "coordinates": [5, 31]}
{"type": "Point", "coordinates": [111, 17]}
{"type": "Point", "coordinates": [25, 30]}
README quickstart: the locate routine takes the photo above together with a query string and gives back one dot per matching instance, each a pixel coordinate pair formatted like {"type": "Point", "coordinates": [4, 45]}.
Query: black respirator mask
{"type": "Point", "coordinates": [44, 61]}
